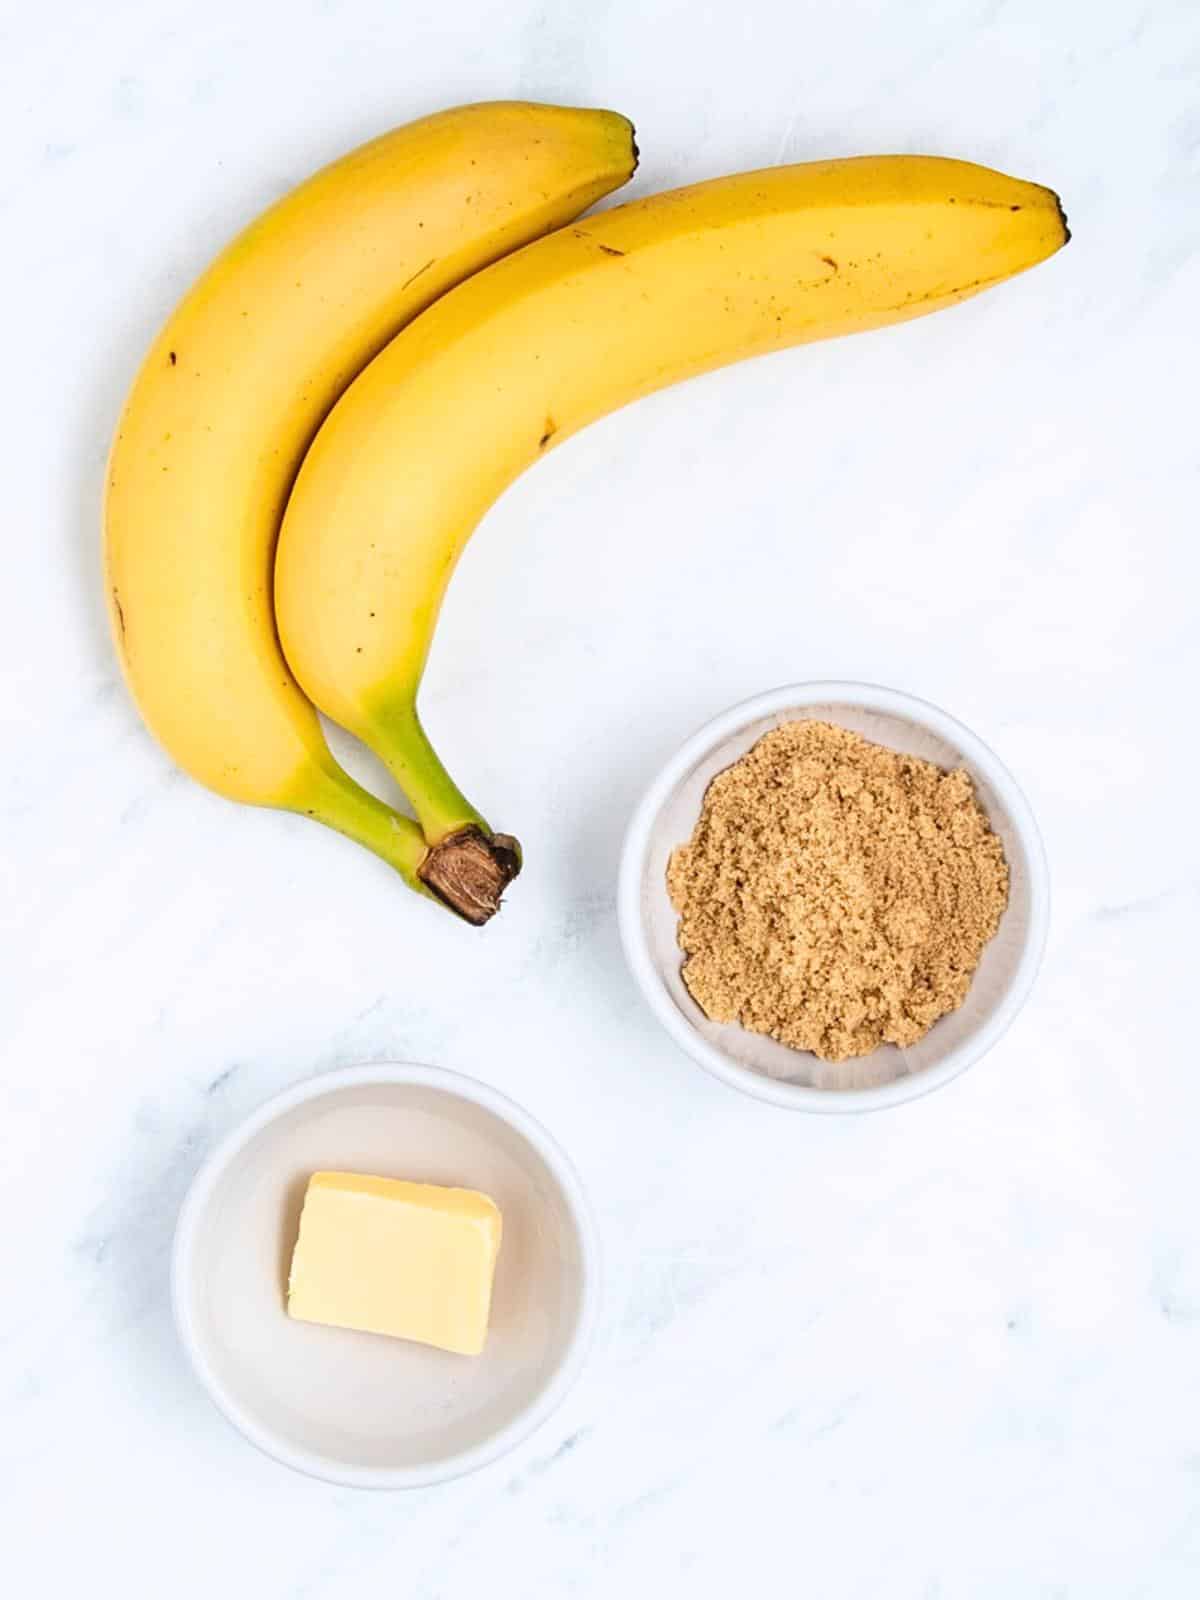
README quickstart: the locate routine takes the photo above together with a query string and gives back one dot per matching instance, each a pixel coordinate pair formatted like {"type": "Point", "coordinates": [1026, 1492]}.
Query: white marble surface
{"type": "Point", "coordinates": [948, 1351]}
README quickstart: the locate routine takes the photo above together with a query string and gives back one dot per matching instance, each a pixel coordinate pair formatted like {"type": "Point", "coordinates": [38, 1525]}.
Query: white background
{"type": "Point", "coordinates": [947, 1351]}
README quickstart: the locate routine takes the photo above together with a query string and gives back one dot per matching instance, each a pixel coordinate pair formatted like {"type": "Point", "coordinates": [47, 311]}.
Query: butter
{"type": "Point", "coordinates": [412, 1260]}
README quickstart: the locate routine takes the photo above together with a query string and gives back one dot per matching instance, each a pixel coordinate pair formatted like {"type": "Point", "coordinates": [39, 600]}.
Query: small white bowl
{"type": "Point", "coordinates": [356, 1408]}
{"type": "Point", "coordinates": [761, 1066]}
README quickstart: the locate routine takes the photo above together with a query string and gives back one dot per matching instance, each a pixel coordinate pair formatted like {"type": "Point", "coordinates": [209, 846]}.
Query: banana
{"type": "Point", "coordinates": [233, 390]}
{"type": "Point", "coordinates": [569, 328]}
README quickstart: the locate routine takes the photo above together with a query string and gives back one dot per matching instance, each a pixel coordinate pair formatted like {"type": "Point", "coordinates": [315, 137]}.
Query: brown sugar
{"type": "Point", "coordinates": [836, 894]}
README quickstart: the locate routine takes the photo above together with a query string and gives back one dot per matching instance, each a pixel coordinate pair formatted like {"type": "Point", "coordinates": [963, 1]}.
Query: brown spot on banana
{"type": "Point", "coordinates": [606, 249]}
{"type": "Point", "coordinates": [418, 273]}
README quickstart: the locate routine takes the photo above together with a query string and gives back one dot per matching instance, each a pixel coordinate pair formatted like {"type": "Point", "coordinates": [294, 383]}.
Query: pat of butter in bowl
{"type": "Point", "coordinates": [380, 1255]}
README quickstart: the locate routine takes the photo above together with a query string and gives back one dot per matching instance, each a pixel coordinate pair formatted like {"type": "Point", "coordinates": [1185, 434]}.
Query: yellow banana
{"type": "Point", "coordinates": [569, 328]}
{"type": "Point", "coordinates": [233, 390]}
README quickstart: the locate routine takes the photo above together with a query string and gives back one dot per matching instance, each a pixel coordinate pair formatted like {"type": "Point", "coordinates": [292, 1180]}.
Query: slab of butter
{"type": "Point", "coordinates": [412, 1260]}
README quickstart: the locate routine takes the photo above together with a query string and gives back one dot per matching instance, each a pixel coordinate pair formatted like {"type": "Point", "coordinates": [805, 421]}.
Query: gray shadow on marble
{"type": "Point", "coordinates": [100, 395]}
{"type": "Point", "coordinates": [129, 1240]}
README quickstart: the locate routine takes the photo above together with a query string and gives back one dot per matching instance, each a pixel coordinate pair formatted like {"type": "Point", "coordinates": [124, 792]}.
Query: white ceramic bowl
{"type": "Point", "coordinates": [356, 1408]}
{"type": "Point", "coordinates": [758, 1065]}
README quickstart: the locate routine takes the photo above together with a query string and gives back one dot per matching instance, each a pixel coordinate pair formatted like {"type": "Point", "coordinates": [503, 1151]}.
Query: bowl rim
{"type": "Point", "coordinates": [798, 696]}
{"type": "Point", "coordinates": [310, 1462]}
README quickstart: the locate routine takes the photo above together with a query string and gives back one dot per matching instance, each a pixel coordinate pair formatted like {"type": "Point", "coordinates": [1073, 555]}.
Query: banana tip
{"type": "Point", "coordinates": [1062, 216]}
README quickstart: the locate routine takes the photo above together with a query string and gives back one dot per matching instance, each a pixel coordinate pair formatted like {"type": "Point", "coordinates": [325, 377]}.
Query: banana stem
{"type": "Point", "coordinates": [440, 804]}
{"type": "Point", "coordinates": [336, 800]}
{"type": "Point", "coordinates": [468, 866]}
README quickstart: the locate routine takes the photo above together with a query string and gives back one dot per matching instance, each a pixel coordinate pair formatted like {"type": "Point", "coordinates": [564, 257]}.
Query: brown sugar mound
{"type": "Point", "coordinates": [835, 894]}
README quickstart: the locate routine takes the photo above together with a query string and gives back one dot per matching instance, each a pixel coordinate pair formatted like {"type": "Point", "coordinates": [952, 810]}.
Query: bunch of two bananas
{"type": "Point", "coordinates": [333, 407]}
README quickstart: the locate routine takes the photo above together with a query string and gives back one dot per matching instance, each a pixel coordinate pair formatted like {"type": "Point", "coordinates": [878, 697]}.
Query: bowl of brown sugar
{"type": "Point", "coordinates": [834, 897]}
